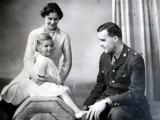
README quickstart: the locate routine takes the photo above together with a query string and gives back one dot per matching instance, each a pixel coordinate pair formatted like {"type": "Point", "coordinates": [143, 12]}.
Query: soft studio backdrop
{"type": "Point", "coordinates": [80, 21]}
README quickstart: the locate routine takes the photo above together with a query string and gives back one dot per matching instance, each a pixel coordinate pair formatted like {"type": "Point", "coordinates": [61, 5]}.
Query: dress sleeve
{"type": "Point", "coordinates": [29, 56]}
{"type": "Point", "coordinates": [67, 61]}
{"type": "Point", "coordinates": [41, 66]}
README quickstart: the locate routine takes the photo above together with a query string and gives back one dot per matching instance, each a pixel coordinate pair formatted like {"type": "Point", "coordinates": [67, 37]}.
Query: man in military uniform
{"type": "Point", "coordinates": [119, 91]}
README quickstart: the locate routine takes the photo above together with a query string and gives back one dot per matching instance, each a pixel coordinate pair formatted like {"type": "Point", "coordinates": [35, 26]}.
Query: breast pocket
{"type": "Point", "coordinates": [121, 74]}
{"type": "Point", "coordinates": [123, 77]}
{"type": "Point", "coordinates": [105, 71]}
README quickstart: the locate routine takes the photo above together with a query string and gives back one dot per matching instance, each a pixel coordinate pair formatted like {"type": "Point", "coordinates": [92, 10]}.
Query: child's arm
{"type": "Point", "coordinates": [29, 56]}
{"type": "Point", "coordinates": [42, 65]}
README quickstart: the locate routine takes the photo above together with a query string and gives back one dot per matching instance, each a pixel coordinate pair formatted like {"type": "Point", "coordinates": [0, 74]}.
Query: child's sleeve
{"type": "Point", "coordinates": [41, 66]}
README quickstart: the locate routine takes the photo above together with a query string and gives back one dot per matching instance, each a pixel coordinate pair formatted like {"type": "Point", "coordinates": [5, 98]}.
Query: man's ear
{"type": "Point", "coordinates": [116, 38]}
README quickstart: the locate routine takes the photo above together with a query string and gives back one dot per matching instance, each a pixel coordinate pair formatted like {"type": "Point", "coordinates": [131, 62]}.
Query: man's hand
{"type": "Point", "coordinates": [95, 110]}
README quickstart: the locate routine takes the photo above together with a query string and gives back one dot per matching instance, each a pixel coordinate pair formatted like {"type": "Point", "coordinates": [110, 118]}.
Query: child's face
{"type": "Point", "coordinates": [46, 47]}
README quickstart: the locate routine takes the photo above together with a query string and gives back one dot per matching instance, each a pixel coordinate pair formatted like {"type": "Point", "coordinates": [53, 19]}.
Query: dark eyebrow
{"type": "Point", "coordinates": [102, 39]}
{"type": "Point", "coordinates": [50, 17]}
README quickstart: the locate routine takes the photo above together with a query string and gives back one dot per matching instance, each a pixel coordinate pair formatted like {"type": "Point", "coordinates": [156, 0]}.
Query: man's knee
{"type": "Point", "coordinates": [115, 113]}
{"type": "Point", "coordinates": [119, 113]}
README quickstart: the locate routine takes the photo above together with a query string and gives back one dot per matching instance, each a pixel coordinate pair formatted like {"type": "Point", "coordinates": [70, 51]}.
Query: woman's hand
{"type": "Point", "coordinates": [37, 79]}
{"type": "Point", "coordinates": [51, 79]}
{"type": "Point", "coordinates": [41, 79]}
{"type": "Point", "coordinates": [62, 82]}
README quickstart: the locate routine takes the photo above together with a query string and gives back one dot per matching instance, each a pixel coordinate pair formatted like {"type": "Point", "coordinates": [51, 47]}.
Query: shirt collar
{"type": "Point", "coordinates": [118, 53]}
{"type": "Point", "coordinates": [56, 31]}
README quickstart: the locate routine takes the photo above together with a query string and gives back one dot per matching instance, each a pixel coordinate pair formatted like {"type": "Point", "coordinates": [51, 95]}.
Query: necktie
{"type": "Point", "coordinates": [113, 60]}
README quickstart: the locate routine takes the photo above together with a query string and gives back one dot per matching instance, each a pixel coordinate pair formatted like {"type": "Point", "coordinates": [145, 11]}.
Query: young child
{"type": "Point", "coordinates": [44, 66]}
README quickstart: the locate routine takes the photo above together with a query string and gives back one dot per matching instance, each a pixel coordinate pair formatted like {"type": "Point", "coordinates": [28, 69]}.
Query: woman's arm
{"type": "Point", "coordinates": [67, 61]}
{"type": "Point", "coordinates": [29, 56]}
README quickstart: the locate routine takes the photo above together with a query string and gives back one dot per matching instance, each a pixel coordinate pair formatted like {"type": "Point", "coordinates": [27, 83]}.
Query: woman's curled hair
{"type": "Point", "coordinates": [52, 8]}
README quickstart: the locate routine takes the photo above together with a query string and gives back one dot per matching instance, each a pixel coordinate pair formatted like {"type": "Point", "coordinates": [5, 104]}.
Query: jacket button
{"type": "Point", "coordinates": [115, 104]}
{"type": "Point", "coordinates": [113, 70]}
{"type": "Point", "coordinates": [113, 81]}
{"type": "Point", "coordinates": [102, 71]}
{"type": "Point", "coordinates": [124, 75]}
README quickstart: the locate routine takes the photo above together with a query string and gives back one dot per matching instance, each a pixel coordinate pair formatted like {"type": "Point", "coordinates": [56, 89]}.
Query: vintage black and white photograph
{"type": "Point", "coordinates": [79, 60]}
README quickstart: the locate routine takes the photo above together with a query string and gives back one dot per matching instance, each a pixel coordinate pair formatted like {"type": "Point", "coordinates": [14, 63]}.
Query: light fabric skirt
{"type": "Point", "coordinates": [46, 89]}
{"type": "Point", "coordinates": [18, 89]}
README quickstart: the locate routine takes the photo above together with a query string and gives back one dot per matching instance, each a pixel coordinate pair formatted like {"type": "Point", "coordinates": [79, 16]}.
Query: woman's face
{"type": "Point", "coordinates": [51, 21]}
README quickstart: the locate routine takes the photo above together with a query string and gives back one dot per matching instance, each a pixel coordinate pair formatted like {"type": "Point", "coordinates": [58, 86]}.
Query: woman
{"type": "Point", "coordinates": [52, 14]}
{"type": "Point", "coordinates": [16, 92]}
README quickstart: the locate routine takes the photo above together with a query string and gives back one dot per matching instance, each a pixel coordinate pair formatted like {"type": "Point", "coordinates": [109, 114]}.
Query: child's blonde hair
{"type": "Point", "coordinates": [42, 37]}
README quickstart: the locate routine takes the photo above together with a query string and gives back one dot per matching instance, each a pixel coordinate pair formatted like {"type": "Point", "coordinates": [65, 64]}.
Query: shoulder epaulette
{"type": "Point", "coordinates": [131, 51]}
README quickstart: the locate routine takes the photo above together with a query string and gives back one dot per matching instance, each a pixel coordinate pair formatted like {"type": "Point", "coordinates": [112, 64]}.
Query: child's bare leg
{"type": "Point", "coordinates": [70, 94]}
{"type": "Point", "coordinates": [68, 99]}
{"type": "Point", "coordinates": [70, 102]}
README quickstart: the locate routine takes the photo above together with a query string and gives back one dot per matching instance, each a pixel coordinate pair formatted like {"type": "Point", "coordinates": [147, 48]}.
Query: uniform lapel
{"type": "Point", "coordinates": [107, 66]}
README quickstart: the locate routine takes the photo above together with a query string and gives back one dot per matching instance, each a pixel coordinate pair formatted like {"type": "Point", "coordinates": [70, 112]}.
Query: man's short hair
{"type": "Point", "coordinates": [112, 29]}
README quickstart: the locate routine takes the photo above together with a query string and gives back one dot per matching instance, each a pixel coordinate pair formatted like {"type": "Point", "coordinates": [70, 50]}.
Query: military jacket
{"type": "Point", "coordinates": [123, 83]}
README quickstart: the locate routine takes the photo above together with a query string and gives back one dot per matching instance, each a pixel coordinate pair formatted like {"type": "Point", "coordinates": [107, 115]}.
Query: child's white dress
{"type": "Point", "coordinates": [45, 65]}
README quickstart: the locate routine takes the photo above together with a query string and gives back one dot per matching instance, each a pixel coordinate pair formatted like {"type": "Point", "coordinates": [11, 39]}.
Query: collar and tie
{"type": "Point", "coordinates": [116, 55]}
{"type": "Point", "coordinates": [113, 60]}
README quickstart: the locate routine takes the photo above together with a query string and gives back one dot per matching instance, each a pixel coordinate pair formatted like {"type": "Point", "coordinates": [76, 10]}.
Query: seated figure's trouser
{"type": "Point", "coordinates": [121, 113]}
{"type": "Point", "coordinates": [118, 113]}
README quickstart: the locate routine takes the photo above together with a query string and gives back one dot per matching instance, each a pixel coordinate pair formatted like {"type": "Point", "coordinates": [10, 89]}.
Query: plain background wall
{"type": "Point", "coordinates": [81, 20]}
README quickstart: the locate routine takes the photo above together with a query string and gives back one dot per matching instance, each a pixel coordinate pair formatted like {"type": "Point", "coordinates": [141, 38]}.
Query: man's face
{"type": "Point", "coordinates": [106, 42]}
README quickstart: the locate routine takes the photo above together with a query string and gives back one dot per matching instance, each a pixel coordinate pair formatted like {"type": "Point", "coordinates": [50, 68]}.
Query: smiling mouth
{"type": "Point", "coordinates": [52, 26]}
